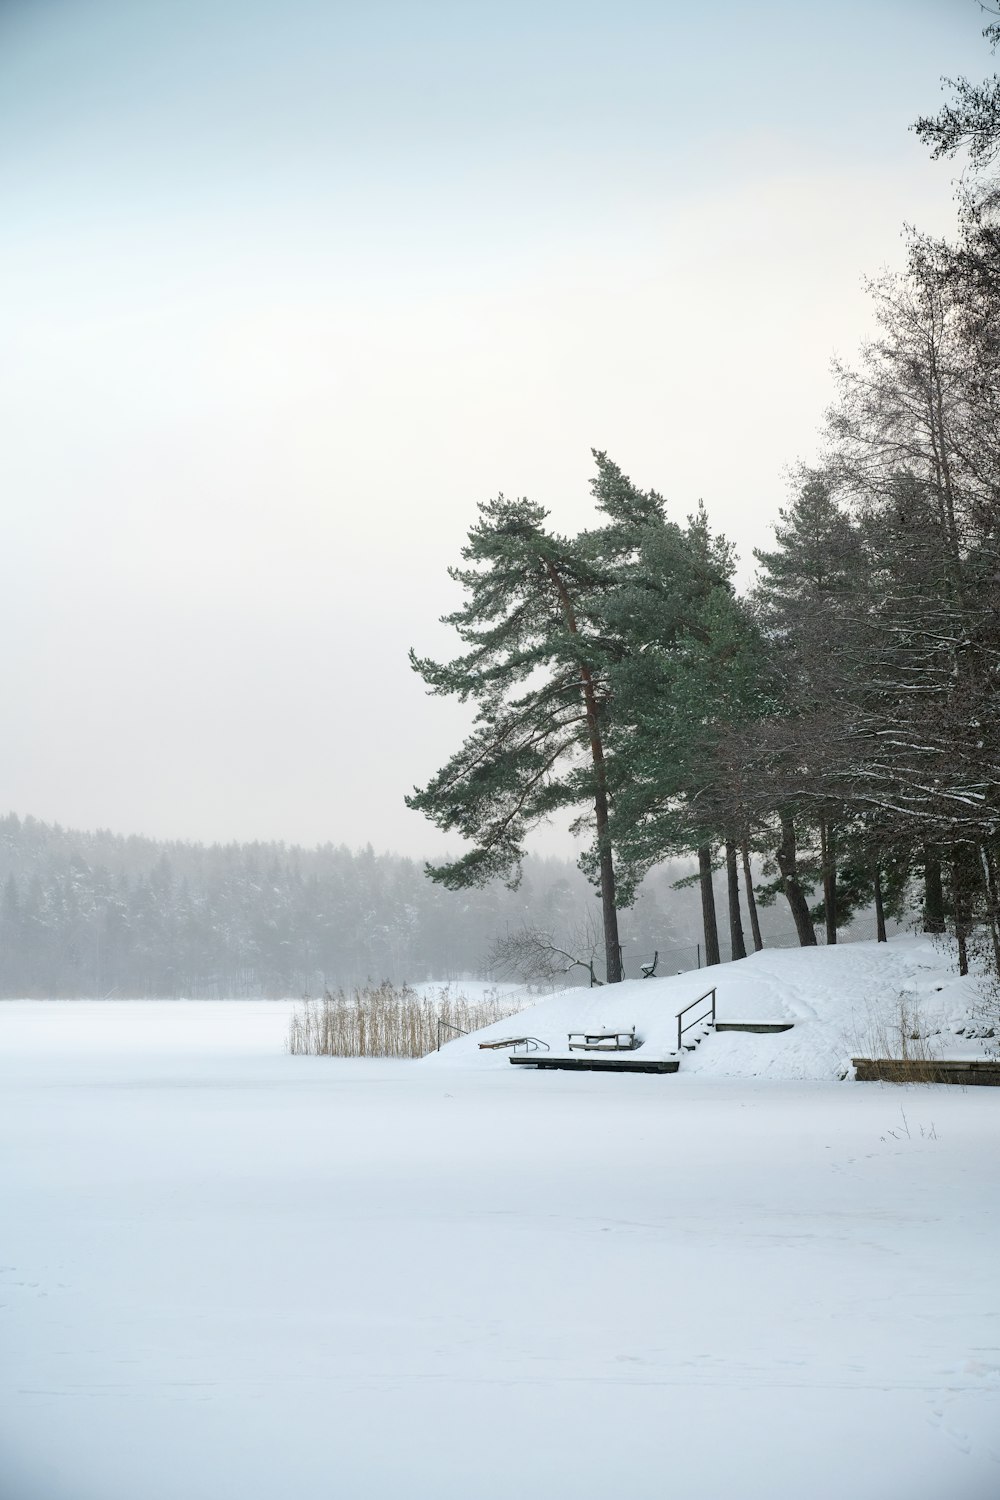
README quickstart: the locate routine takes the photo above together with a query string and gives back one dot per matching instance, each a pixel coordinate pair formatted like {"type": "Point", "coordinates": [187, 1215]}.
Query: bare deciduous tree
{"type": "Point", "coordinates": [534, 956]}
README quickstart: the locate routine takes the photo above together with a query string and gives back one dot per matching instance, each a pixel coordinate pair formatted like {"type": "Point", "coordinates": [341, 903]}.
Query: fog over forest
{"type": "Point", "coordinates": [94, 914]}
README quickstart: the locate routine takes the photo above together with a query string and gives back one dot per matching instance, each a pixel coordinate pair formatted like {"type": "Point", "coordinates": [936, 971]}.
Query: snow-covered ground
{"type": "Point", "coordinates": [843, 1001]}
{"type": "Point", "coordinates": [230, 1272]}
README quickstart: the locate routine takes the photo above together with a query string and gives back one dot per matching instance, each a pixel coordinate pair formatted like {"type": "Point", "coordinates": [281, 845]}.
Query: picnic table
{"type": "Point", "coordinates": [603, 1041]}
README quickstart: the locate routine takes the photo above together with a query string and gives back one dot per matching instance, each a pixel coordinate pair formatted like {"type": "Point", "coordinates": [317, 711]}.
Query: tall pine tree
{"type": "Point", "coordinates": [533, 667]}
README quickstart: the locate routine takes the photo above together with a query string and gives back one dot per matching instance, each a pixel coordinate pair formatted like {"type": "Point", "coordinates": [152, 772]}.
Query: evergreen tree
{"type": "Point", "coordinates": [534, 668]}
{"type": "Point", "coordinates": [807, 600]}
{"type": "Point", "coordinates": [682, 676]}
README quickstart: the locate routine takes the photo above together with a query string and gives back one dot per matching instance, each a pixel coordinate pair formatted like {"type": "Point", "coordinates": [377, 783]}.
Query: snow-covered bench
{"type": "Point", "coordinates": [529, 1043]}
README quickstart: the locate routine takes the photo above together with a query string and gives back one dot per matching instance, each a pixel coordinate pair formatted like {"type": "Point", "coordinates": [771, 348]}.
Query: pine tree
{"type": "Point", "coordinates": [534, 668]}
{"type": "Point", "coordinates": [808, 603]}
{"type": "Point", "coordinates": [683, 676]}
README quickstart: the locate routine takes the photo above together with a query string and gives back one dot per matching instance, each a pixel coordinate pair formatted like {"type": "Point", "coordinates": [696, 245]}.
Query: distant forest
{"type": "Point", "coordinates": [96, 914]}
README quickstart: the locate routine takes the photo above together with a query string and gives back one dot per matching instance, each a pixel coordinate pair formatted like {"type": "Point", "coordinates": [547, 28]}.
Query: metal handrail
{"type": "Point", "coordinates": [709, 1013]}
{"type": "Point", "coordinates": [448, 1027]}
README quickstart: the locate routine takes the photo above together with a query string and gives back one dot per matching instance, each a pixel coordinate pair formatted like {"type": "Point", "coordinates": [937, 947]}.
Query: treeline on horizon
{"type": "Point", "coordinates": [826, 742]}
{"type": "Point", "coordinates": [841, 720]}
{"type": "Point", "coordinates": [96, 914]}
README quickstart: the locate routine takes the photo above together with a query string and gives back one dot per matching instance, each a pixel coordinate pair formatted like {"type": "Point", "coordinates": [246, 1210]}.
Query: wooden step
{"type": "Point", "coordinates": [761, 1028]}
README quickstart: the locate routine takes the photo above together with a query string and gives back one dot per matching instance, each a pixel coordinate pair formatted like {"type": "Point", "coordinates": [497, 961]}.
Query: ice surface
{"type": "Point", "coordinates": [229, 1272]}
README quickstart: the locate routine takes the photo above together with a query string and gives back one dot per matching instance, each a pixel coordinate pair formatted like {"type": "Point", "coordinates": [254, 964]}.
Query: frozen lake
{"type": "Point", "coordinates": [229, 1272]}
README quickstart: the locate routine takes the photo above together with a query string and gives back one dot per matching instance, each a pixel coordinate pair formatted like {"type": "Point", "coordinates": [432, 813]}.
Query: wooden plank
{"type": "Point", "coordinates": [984, 1071]}
{"type": "Point", "coordinates": [507, 1041]}
{"type": "Point", "coordinates": [760, 1028]}
{"type": "Point", "coordinates": [630, 1046]}
{"type": "Point", "coordinates": [599, 1064]}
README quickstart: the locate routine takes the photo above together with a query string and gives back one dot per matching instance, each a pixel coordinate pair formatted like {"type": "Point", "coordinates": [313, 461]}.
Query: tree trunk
{"type": "Point", "coordinates": [758, 941]}
{"type": "Point", "coordinates": [958, 906]}
{"type": "Point", "coordinates": [992, 902]}
{"type": "Point", "coordinates": [609, 908]}
{"type": "Point", "coordinates": [788, 866]}
{"type": "Point", "coordinates": [708, 906]}
{"type": "Point", "coordinates": [737, 947]}
{"type": "Point", "coordinates": [933, 893]}
{"type": "Point", "coordinates": [829, 860]}
{"type": "Point", "coordinates": [879, 909]}
{"type": "Point", "coordinates": [609, 905]}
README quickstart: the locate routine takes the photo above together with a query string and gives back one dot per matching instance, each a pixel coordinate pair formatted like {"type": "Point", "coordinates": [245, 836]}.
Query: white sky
{"type": "Point", "coordinates": [289, 287]}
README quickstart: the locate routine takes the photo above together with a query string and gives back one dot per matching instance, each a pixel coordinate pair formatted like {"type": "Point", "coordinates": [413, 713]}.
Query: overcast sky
{"type": "Point", "coordinates": [289, 286]}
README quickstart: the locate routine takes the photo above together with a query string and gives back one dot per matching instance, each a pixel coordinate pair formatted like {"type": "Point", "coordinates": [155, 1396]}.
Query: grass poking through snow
{"type": "Point", "coordinates": [387, 1020]}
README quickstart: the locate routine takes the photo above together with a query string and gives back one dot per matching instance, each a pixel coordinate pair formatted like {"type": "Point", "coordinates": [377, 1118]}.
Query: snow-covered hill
{"type": "Point", "coordinates": [844, 1001]}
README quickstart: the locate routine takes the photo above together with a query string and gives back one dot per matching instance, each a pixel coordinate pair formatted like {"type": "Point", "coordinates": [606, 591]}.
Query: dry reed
{"type": "Point", "coordinates": [901, 1045]}
{"type": "Point", "coordinates": [387, 1020]}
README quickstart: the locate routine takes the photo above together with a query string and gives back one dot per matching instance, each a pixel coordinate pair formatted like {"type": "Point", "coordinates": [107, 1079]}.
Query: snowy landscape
{"type": "Point", "coordinates": [231, 1271]}
{"type": "Point", "coordinates": [500, 772]}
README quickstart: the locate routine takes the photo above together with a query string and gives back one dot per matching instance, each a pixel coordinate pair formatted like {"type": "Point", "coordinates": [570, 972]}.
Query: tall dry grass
{"type": "Point", "coordinates": [898, 1037]}
{"type": "Point", "coordinates": [387, 1020]}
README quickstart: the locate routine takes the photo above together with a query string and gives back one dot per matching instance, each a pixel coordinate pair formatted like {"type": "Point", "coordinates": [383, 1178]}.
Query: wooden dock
{"type": "Point", "coordinates": [593, 1064]}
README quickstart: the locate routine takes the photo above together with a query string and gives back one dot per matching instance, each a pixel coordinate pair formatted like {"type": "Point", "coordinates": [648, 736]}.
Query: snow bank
{"type": "Point", "coordinates": [843, 1001]}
